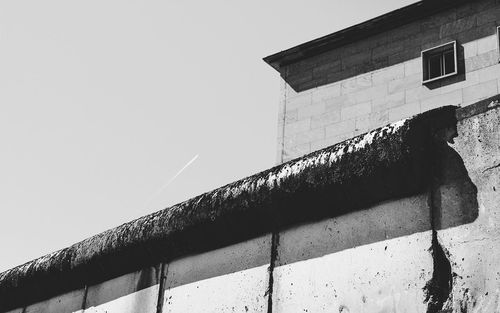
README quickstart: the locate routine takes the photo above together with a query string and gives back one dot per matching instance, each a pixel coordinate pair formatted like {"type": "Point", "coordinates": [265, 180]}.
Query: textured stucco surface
{"type": "Point", "coordinates": [474, 249]}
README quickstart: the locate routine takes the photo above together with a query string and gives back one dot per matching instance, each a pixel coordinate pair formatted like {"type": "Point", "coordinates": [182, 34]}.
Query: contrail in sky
{"type": "Point", "coordinates": [171, 180]}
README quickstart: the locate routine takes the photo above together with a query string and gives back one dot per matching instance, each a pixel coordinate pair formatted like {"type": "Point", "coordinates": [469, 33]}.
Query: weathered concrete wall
{"type": "Point", "coordinates": [372, 82]}
{"type": "Point", "coordinates": [474, 249]}
{"type": "Point", "coordinates": [434, 251]}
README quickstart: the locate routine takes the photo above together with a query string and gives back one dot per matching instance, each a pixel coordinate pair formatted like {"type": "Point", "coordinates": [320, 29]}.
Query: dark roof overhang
{"type": "Point", "coordinates": [357, 32]}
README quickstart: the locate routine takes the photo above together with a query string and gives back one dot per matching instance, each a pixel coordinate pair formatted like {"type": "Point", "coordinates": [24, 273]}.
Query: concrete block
{"type": "Point", "coordinates": [451, 98]}
{"type": "Point", "coordinates": [292, 116]}
{"type": "Point", "coordinates": [340, 128]}
{"type": "Point", "coordinates": [289, 142]}
{"type": "Point", "coordinates": [481, 61]}
{"type": "Point", "coordinates": [355, 59]}
{"type": "Point", "coordinates": [68, 302]}
{"type": "Point", "coordinates": [413, 67]}
{"type": "Point", "coordinates": [355, 84]}
{"type": "Point", "coordinates": [487, 44]}
{"type": "Point", "coordinates": [131, 293]}
{"type": "Point", "coordinates": [296, 151]}
{"type": "Point", "coordinates": [457, 26]}
{"type": "Point", "coordinates": [420, 93]}
{"type": "Point", "coordinates": [379, 118]}
{"type": "Point", "coordinates": [362, 124]}
{"type": "Point", "coordinates": [389, 101]}
{"type": "Point", "coordinates": [311, 110]}
{"type": "Point", "coordinates": [488, 16]}
{"type": "Point", "coordinates": [330, 141]}
{"type": "Point", "coordinates": [356, 110]}
{"type": "Point", "coordinates": [297, 127]}
{"type": "Point", "coordinates": [326, 92]}
{"type": "Point", "coordinates": [230, 279]}
{"type": "Point", "coordinates": [470, 49]}
{"type": "Point", "coordinates": [408, 82]}
{"type": "Point", "coordinates": [339, 102]}
{"type": "Point", "coordinates": [323, 266]}
{"type": "Point", "coordinates": [480, 91]}
{"type": "Point", "coordinates": [488, 73]}
{"type": "Point", "coordinates": [404, 111]}
{"type": "Point", "coordinates": [327, 118]}
{"type": "Point", "coordinates": [300, 100]}
{"type": "Point", "coordinates": [310, 135]}
{"type": "Point", "coordinates": [387, 74]}
{"type": "Point", "coordinates": [371, 93]}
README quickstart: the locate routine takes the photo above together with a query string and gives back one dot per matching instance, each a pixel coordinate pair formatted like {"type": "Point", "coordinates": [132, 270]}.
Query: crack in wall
{"type": "Point", "coordinates": [491, 168]}
{"type": "Point", "coordinates": [161, 287]}
{"type": "Point", "coordinates": [275, 238]}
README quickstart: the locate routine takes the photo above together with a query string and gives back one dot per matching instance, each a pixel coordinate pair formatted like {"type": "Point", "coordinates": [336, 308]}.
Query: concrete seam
{"type": "Point", "coordinates": [274, 255]}
{"type": "Point", "coordinates": [84, 300]}
{"type": "Point", "coordinates": [161, 288]}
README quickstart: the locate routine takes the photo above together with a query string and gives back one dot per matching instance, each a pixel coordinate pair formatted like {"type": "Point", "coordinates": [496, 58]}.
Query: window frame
{"type": "Point", "coordinates": [441, 49]}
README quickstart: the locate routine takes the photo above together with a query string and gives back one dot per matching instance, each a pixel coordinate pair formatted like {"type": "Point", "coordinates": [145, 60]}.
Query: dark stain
{"type": "Point", "coordinates": [275, 239]}
{"type": "Point", "coordinates": [453, 196]}
{"type": "Point", "coordinates": [438, 289]}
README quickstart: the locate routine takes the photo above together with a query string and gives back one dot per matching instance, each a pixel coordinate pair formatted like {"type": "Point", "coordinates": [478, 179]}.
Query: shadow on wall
{"type": "Point", "coordinates": [122, 286]}
{"type": "Point", "coordinates": [455, 201]}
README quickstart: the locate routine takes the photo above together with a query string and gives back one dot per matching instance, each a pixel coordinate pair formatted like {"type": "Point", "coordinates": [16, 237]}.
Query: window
{"type": "Point", "coordinates": [439, 62]}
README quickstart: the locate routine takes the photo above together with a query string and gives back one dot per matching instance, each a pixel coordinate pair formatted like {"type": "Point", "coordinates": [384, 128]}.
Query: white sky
{"type": "Point", "coordinates": [103, 102]}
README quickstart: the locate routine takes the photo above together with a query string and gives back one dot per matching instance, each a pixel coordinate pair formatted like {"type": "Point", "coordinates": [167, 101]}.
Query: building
{"type": "Point", "coordinates": [385, 199]}
{"type": "Point", "coordinates": [372, 74]}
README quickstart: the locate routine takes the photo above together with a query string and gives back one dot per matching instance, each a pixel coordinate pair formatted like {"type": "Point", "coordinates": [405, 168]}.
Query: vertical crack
{"type": "Point", "coordinates": [275, 238]}
{"type": "Point", "coordinates": [84, 300]}
{"type": "Point", "coordinates": [161, 288]}
{"type": "Point", "coordinates": [439, 288]}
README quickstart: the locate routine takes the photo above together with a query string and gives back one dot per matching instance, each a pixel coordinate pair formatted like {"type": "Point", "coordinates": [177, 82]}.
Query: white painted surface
{"type": "Point", "coordinates": [230, 279]}
{"type": "Point", "coordinates": [243, 291]}
{"type": "Point", "coordinates": [144, 300]}
{"type": "Point", "coordinates": [386, 276]}
{"type": "Point", "coordinates": [68, 302]}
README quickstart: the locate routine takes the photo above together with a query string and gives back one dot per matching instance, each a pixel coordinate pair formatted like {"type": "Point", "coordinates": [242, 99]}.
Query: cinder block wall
{"type": "Point", "coordinates": [364, 85]}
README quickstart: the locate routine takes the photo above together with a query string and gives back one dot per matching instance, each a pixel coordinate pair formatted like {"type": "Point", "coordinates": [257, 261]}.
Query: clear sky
{"type": "Point", "coordinates": [103, 102]}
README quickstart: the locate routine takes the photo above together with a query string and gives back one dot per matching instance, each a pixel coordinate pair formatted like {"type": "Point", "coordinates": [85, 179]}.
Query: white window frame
{"type": "Point", "coordinates": [424, 57]}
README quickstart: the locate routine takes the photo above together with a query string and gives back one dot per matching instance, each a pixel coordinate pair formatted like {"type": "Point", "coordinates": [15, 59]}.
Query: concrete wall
{"type": "Point", "coordinates": [370, 83]}
{"type": "Point", "coordinates": [437, 251]}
